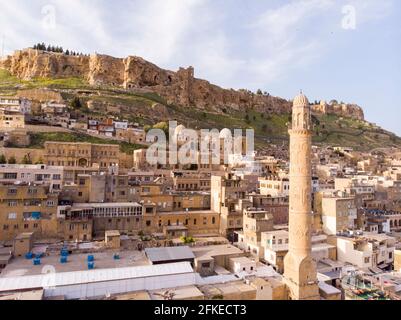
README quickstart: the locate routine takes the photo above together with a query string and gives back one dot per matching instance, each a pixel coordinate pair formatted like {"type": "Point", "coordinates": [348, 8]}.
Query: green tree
{"type": "Point", "coordinates": [259, 92]}
{"type": "Point", "coordinates": [147, 128]}
{"type": "Point", "coordinates": [40, 161]}
{"type": "Point", "coordinates": [76, 103]}
{"type": "Point", "coordinates": [264, 127]}
{"type": "Point", "coordinates": [12, 160]}
{"type": "Point", "coordinates": [3, 159]}
{"type": "Point", "coordinates": [162, 126]}
{"type": "Point", "coordinates": [26, 159]}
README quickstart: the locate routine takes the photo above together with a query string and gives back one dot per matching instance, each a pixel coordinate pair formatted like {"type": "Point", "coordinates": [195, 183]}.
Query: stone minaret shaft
{"type": "Point", "coordinates": [299, 267]}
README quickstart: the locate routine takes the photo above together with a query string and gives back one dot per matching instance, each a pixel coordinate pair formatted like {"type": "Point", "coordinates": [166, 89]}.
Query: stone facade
{"type": "Point", "coordinates": [27, 208]}
{"type": "Point", "coordinates": [81, 154]}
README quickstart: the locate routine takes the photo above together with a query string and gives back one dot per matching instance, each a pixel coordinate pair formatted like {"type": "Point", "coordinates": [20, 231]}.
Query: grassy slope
{"type": "Point", "coordinates": [329, 129]}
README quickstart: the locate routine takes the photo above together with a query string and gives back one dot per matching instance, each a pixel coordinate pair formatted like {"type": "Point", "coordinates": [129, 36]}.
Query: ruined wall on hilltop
{"type": "Point", "coordinates": [341, 109]}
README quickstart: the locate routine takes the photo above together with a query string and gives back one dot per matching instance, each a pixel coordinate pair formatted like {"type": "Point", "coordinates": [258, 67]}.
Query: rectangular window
{"type": "Point", "coordinates": [12, 203]}
{"type": "Point", "coordinates": [12, 216]}
{"type": "Point", "coordinates": [11, 176]}
{"type": "Point", "coordinates": [12, 191]}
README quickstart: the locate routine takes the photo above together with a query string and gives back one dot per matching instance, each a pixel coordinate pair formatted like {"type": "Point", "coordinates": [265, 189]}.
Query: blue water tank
{"type": "Point", "coordinates": [91, 258]}
{"type": "Point", "coordinates": [29, 256]}
{"type": "Point", "coordinates": [36, 262]}
{"type": "Point", "coordinates": [64, 253]}
{"type": "Point", "coordinates": [116, 257]}
{"type": "Point", "coordinates": [39, 255]}
{"type": "Point", "coordinates": [63, 259]}
{"type": "Point", "coordinates": [91, 265]}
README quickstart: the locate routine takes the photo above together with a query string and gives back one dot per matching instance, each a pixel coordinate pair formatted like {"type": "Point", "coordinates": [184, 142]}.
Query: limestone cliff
{"type": "Point", "coordinates": [133, 73]}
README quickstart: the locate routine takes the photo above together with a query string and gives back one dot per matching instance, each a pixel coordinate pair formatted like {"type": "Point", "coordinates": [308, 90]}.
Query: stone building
{"type": "Point", "coordinates": [10, 120]}
{"type": "Point", "coordinates": [226, 192]}
{"type": "Point", "coordinates": [366, 250]}
{"type": "Point", "coordinates": [194, 223]}
{"type": "Point", "coordinates": [276, 206]}
{"type": "Point", "coordinates": [255, 222]}
{"type": "Point", "coordinates": [81, 221]}
{"type": "Point", "coordinates": [335, 212]}
{"type": "Point", "coordinates": [81, 154]}
{"type": "Point", "coordinates": [27, 208]}
{"type": "Point", "coordinates": [50, 175]}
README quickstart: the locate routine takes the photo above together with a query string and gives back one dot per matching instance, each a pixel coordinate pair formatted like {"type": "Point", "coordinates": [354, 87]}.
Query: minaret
{"type": "Point", "coordinates": [299, 267]}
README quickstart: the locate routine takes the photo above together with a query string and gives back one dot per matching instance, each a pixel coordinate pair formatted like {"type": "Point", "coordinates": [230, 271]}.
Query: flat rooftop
{"type": "Point", "coordinates": [277, 233]}
{"type": "Point", "coordinates": [216, 250]}
{"type": "Point", "coordinates": [92, 276]}
{"type": "Point", "coordinates": [105, 205]}
{"type": "Point", "coordinates": [169, 254]}
{"type": "Point", "coordinates": [187, 212]}
{"type": "Point", "coordinates": [243, 260]}
{"type": "Point", "coordinates": [25, 235]}
{"type": "Point", "coordinates": [76, 262]}
{"type": "Point", "coordinates": [182, 293]}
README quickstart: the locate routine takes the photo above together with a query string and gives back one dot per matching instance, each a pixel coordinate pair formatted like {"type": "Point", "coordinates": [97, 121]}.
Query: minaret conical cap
{"type": "Point", "coordinates": [301, 101]}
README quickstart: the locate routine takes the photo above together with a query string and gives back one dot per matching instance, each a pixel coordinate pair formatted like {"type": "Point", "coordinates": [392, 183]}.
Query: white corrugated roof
{"type": "Point", "coordinates": [169, 254]}
{"type": "Point", "coordinates": [90, 276]}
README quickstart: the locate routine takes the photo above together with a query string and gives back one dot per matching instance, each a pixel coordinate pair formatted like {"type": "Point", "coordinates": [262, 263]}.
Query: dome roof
{"type": "Point", "coordinates": [301, 101]}
{"type": "Point", "coordinates": [225, 133]}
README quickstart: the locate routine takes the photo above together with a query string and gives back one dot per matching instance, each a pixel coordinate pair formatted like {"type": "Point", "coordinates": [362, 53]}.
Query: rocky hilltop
{"type": "Point", "coordinates": [133, 73]}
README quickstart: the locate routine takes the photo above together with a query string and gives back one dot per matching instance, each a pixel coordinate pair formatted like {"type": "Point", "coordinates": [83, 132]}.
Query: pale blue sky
{"type": "Point", "coordinates": [278, 46]}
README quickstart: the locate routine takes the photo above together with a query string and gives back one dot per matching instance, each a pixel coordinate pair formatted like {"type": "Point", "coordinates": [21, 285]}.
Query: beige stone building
{"type": "Point", "coordinates": [366, 250]}
{"type": "Point", "coordinates": [82, 221]}
{"type": "Point", "coordinates": [10, 120]}
{"type": "Point", "coordinates": [50, 175]}
{"type": "Point", "coordinates": [172, 224]}
{"type": "Point", "coordinates": [27, 208]}
{"type": "Point", "coordinates": [274, 187]}
{"type": "Point", "coordinates": [226, 192]}
{"type": "Point", "coordinates": [81, 154]}
{"type": "Point", "coordinates": [276, 246]}
{"type": "Point", "coordinates": [335, 211]}
{"type": "Point", "coordinates": [255, 223]}
{"type": "Point", "coordinates": [276, 206]}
